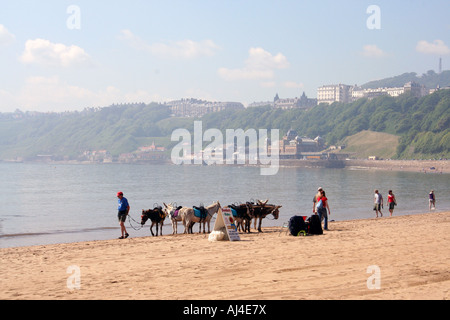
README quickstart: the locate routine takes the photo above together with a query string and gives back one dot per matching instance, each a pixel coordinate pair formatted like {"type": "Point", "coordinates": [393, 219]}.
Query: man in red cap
{"type": "Point", "coordinates": [124, 208]}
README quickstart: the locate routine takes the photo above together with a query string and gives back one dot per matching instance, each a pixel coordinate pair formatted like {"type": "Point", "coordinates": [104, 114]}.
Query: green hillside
{"type": "Point", "coordinates": [430, 80]}
{"type": "Point", "coordinates": [369, 143]}
{"type": "Point", "coordinates": [422, 126]}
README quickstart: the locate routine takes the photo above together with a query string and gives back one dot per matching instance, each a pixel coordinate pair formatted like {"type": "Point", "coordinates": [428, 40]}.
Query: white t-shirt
{"type": "Point", "coordinates": [377, 198]}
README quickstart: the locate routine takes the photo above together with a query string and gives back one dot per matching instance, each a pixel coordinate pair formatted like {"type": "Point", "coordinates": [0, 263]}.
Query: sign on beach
{"type": "Point", "coordinates": [225, 223]}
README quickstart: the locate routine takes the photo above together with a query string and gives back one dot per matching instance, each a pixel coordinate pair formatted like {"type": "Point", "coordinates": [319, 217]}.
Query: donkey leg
{"type": "Point", "coordinates": [189, 226]}
{"type": "Point", "coordinates": [151, 230]}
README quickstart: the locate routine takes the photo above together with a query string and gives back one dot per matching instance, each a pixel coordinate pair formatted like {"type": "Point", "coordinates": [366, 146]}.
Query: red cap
{"type": "Point", "coordinates": [120, 193]}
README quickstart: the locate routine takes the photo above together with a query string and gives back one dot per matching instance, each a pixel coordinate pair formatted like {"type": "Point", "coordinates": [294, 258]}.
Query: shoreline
{"type": "Point", "coordinates": [423, 166]}
{"type": "Point", "coordinates": [167, 232]}
{"type": "Point", "coordinates": [411, 252]}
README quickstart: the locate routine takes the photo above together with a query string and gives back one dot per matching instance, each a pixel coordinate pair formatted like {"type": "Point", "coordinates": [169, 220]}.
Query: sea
{"type": "Point", "coordinates": [48, 203]}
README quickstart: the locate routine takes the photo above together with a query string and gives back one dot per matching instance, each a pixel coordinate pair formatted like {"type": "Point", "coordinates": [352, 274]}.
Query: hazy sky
{"type": "Point", "coordinates": [58, 55]}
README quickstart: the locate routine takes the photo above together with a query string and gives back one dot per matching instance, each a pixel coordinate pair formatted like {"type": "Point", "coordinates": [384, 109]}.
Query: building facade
{"type": "Point", "coordinates": [294, 103]}
{"type": "Point", "coordinates": [292, 146]}
{"type": "Point", "coordinates": [415, 89]}
{"type": "Point", "coordinates": [334, 93]}
{"type": "Point", "coordinates": [346, 94]}
{"type": "Point", "coordinates": [198, 108]}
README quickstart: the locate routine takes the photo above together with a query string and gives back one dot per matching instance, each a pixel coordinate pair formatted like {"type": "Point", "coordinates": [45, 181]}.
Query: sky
{"type": "Point", "coordinates": [59, 55]}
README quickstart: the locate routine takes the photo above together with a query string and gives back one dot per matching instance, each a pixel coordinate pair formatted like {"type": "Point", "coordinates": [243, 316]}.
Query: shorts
{"type": "Point", "coordinates": [377, 206]}
{"type": "Point", "coordinates": [391, 205]}
{"type": "Point", "coordinates": [122, 216]}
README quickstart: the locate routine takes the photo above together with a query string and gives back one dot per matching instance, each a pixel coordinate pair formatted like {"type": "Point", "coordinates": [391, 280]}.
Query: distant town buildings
{"type": "Point", "coordinates": [346, 93]}
{"type": "Point", "coordinates": [292, 146]}
{"type": "Point", "coordinates": [294, 103]}
{"type": "Point", "coordinates": [415, 89]}
{"type": "Point", "coordinates": [198, 108]}
{"type": "Point", "coordinates": [288, 103]}
{"type": "Point", "coordinates": [151, 153]}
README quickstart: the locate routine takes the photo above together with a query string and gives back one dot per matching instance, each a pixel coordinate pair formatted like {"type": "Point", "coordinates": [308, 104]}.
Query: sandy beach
{"type": "Point", "coordinates": [405, 257]}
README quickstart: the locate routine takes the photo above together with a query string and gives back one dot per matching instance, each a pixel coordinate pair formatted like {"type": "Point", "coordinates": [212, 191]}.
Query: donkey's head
{"type": "Point", "coordinates": [144, 216]}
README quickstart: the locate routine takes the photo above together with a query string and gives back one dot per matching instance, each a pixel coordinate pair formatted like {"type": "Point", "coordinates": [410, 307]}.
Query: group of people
{"type": "Point", "coordinates": [320, 207]}
{"type": "Point", "coordinates": [379, 202]}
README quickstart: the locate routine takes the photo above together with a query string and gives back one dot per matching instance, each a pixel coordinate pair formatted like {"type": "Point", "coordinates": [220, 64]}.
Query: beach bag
{"type": "Point", "coordinates": [319, 205]}
{"type": "Point", "coordinates": [314, 225]}
{"type": "Point", "coordinates": [297, 225]}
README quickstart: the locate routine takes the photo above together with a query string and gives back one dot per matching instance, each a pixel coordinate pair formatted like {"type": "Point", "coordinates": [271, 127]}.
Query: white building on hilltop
{"type": "Point", "coordinates": [346, 94]}
{"type": "Point", "coordinates": [415, 89]}
{"type": "Point", "coordinates": [198, 108]}
{"type": "Point", "coordinates": [334, 93]}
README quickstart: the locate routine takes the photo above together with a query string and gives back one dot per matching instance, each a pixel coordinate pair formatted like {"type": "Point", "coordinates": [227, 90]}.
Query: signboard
{"type": "Point", "coordinates": [225, 223]}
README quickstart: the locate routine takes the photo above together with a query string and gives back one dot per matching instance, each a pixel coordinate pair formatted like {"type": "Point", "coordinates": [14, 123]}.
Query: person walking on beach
{"type": "Point", "coordinates": [377, 203]}
{"type": "Point", "coordinates": [432, 200]}
{"type": "Point", "coordinates": [392, 202]}
{"type": "Point", "coordinates": [325, 210]}
{"type": "Point", "coordinates": [123, 210]}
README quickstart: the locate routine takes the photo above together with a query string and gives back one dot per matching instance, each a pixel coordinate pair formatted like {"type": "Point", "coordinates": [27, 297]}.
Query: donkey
{"type": "Point", "coordinates": [244, 214]}
{"type": "Point", "coordinates": [263, 209]}
{"type": "Point", "coordinates": [189, 218]}
{"type": "Point", "coordinates": [173, 212]}
{"type": "Point", "coordinates": [156, 215]}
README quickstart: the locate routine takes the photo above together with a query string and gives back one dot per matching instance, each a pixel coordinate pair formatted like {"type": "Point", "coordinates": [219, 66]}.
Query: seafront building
{"type": "Point", "coordinates": [292, 146]}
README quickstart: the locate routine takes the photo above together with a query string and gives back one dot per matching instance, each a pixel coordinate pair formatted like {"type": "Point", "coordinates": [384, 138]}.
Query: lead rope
{"type": "Point", "coordinates": [129, 220]}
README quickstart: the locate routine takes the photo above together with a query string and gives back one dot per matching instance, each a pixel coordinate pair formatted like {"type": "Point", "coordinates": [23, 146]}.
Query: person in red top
{"type": "Point", "coordinates": [392, 202]}
{"type": "Point", "coordinates": [325, 210]}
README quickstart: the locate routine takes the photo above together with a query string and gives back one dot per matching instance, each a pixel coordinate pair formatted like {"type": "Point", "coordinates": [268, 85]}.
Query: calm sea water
{"type": "Point", "coordinates": [59, 203]}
